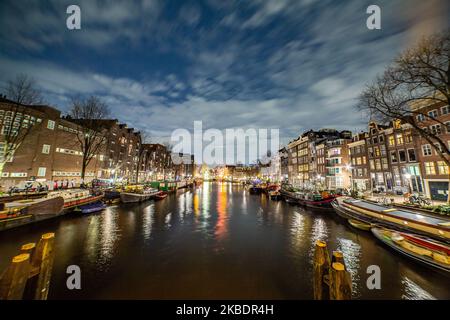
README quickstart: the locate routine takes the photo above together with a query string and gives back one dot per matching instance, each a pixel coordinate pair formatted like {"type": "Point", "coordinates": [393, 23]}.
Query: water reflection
{"type": "Point", "coordinates": [176, 248]}
{"type": "Point", "coordinates": [102, 235]}
{"type": "Point", "coordinates": [147, 221]}
{"type": "Point", "coordinates": [352, 255]}
{"type": "Point", "coordinates": [412, 291]}
{"type": "Point", "coordinates": [221, 224]}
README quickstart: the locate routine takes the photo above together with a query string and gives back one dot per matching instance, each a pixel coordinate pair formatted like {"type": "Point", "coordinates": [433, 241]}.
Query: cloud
{"type": "Point", "coordinates": [288, 64]}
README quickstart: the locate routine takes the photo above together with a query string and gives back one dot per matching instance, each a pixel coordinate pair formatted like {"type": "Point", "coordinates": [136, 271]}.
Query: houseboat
{"type": "Point", "coordinates": [400, 219]}
{"type": "Point", "coordinates": [23, 212]}
{"type": "Point", "coordinates": [310, 199]}
{"type": "Point", "coordinates": [137, 194]}
{"type": "Point", "coordinates": [76, 197]}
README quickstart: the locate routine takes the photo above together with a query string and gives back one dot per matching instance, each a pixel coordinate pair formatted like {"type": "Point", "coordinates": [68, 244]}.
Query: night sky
{"type": "Point", "coordinates": [160, 65]}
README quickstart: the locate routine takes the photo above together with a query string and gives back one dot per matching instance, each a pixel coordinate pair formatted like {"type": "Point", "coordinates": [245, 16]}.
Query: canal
{"type": "Point", "coordinates": [216, 241]}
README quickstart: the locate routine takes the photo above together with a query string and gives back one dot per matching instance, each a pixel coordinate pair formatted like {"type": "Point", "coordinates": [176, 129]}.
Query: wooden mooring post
{"type": "Point", "coordinates": [28, 275]}
{"type": "Point", "coordinates": [331, 278]}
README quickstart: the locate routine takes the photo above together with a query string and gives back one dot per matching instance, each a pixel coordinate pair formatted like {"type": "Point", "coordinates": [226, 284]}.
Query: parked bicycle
{"type": "Point", "coordinates": [420, 200]}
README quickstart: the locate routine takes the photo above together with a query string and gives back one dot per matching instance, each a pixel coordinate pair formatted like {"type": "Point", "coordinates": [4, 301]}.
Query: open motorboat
{"type": "Point", "coordinates": [419, 248]}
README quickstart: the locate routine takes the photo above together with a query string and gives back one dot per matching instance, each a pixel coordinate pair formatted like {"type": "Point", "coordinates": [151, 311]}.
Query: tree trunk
{"type": "Point", "coordinates": [83, 169]}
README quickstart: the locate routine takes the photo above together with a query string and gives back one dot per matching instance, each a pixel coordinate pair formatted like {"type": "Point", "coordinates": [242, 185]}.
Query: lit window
{"type": "Point", "coordinates": [51, 124]}
{"type": "Point", "coordinates": [46, 148]}
{"type": "Point", "coordinates": [41, 171]}
{"type": "Point", "coordinates": [429, 168]}
{"type": "Point", "coordinates": [442, 167]}
{"type": "Point", "coordinates": [399, 138]}
{"type": "Point", "coordinates": [391, 140]}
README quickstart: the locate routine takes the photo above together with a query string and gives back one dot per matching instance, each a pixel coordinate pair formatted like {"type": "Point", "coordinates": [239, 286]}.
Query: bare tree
{"type": "Point", "coordinates": [91, 134]}
{"type": "Point", "coordinates": [419, 76]}
{"type": "Point", "coordinates": [17, 124]}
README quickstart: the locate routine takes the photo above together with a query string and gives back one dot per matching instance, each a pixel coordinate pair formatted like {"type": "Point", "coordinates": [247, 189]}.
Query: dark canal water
{"type": "Point", "coordinates": [217, 241]}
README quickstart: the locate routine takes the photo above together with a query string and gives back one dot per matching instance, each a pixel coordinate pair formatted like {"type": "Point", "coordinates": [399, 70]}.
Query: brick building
{"type": "Point", "coordinates": [358, 159]}
{"type": "Point", "coordinates": [435, 172]}
{"type": "Point", "coordinates": [49, 152]}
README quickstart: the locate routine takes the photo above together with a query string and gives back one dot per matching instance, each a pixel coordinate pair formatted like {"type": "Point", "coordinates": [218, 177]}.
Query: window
{"type": "Point", "coordinates": [445, 110]}
{"type": "Point", "coordinates": [399, 138]}
{"type": "Point", "coordinates": [381, 139]}
{"type": "Point", "coordinates": [435, 129]}
{"type": "Point", "coordinates": [378, 164]}
{"type": "Point", "coordinates": [377, 151]}
{"type": "Point", "coordinates": [375, 140]}
{"type": "Point", "coordinates": [46, 148]}
{"type": "Point", "coordinates": [384, 161]}
{"type": "Point", "coordinates": [370, 152]}
{"type": "Point", "coordinates": [433, 113]}
{"type": "Point", "coordinates": [408, 138]}
{"type": "Point", "coordinates": [18, 174]}
{"type": "Point", "coordinates": [402, 155]}
{"type": "Point", "coordinates": [442, 167]}
{"type": "Point", "coordinates": [383, 150]}
{"type": "Point", "coordinates": [391, 140]}
{"type": "Point", "coordinates": [412, 155]}
{"type": "Point", "coordinates": [372, 165]}
{"type": "Point", "coordinates": [420, 117]}
{"type": "Point", "coordinates": [51, 124]}
{"type": "Point", "coordinates": [394, 157]}
{"type": "Point", "coordinates": [426, 149]}
{"type": "Point", "coordinates": [447, 126]}
{"type": "Point", "coordinates": [41, 171]}
{"type": "Point", "coordinates": [429, 168]}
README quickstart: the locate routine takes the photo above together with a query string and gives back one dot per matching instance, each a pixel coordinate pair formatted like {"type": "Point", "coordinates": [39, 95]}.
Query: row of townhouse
{"type": "Point", "coordinates": [318, 159]}
{"type": "Point", "coordinates": [51, 150]}
{"type": "Point", "coordinates": [391, 158]}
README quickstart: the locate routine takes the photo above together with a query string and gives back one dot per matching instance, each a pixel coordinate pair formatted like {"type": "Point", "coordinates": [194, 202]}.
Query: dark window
{"type": "Point", "coordinates": [402, 155]}
{"type": "Point", "coordinates": [412, 155]}
{"type": "Point", "coordinates": [394, 157]}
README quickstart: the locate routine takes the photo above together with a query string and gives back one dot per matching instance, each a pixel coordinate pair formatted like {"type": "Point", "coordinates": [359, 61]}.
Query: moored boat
{"type": "Point", "coordinates": [91, 208]}
{"type": "Point", "coordinates": [275, 195]}
{"type": "Point", "coordinates": [111, 194]}
{"type": "Point", "coordinates": [422, 249]}
{"type": "Point", "coordinates": [255, 189]}
{"type": "Point", "coordinates": [310, 199]}
{"type": "Point", "coordinates": [137, 194]}
{"type": "Point", "coordinates": [161, 195]}
{"type": "Point", "coordinates": [76, 197]}
{"type": "Point", "coordinates": [401, 219]}
{"type": "Point", "coordinates": [19, 213]}
{"type": "Point", "coordinates": [359, 225]}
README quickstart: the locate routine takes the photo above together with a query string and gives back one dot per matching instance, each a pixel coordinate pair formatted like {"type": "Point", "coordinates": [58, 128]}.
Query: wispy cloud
{"type": "Point", "coordinates": [161, 65]}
